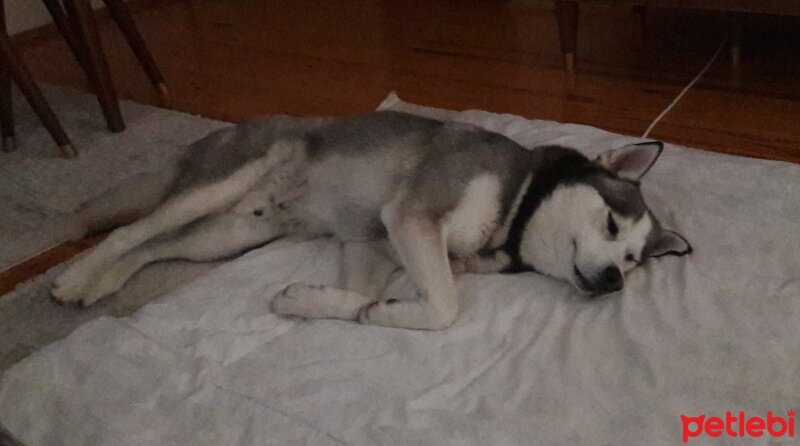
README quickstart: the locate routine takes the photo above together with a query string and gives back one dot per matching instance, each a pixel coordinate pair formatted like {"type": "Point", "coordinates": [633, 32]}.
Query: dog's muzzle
{"type": "Point", "coordinates": [608, 281]}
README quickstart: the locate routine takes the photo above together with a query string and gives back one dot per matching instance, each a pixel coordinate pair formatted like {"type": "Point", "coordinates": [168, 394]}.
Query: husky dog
{"type": "Point", "coordinates": [435, 198]}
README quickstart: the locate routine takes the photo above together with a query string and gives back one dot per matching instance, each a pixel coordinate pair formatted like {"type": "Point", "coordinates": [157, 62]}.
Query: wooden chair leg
{"type": "Point", "coordinates": [6, 107]}
{"type": "Point", "coordinates": [122, 16]}
{"type": "Point", "coordinates": [11, 60]}
{"type": "Point", "coordinates": [82, 15]}
{"type": "Point", "coordinates": [65, 28]}
{"type": "Point", "coordinates": [567, 18]}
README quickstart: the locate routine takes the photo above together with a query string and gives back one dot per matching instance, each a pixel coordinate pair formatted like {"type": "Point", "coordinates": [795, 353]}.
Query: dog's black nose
{"type": "Point", "coordinates": [611, 279]}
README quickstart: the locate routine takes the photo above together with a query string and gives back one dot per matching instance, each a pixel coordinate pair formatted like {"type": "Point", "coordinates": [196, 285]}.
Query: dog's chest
{"type": "Point", "coordinates": [474, 220]}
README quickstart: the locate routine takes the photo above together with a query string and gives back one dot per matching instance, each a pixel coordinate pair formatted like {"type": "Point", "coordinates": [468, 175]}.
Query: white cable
{"type": "Point", "coordinates": [687, 88]}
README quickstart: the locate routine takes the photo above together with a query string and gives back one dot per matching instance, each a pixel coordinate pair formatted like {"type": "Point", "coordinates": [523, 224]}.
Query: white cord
{"type": "Point", "coordinates": [687, 88]}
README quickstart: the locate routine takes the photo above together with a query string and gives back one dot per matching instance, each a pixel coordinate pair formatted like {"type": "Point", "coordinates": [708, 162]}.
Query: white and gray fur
{"type": "Point", "coordinates": [432, 197]}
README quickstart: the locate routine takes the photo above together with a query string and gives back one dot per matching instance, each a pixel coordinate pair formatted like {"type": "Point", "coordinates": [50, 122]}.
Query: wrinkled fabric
{"type": "Point", "coordinates": [528, 361]}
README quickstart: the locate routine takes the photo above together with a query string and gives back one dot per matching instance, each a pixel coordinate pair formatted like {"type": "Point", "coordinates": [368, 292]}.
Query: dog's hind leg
{"type": "Point", "coordinates": [366, 271]}
{"type": "Point", "coordinates": [211, 238]}
{"type": "Point", "coordinates": [420, 243]}
{"type": "Point", "coordinates": [177, 211]}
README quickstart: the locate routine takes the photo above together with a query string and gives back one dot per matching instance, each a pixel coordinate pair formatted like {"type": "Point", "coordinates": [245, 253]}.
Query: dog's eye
{"type": "Point", "coordinates": [613, 229]}
{"type": "Point", "coordinates": [630, 258]}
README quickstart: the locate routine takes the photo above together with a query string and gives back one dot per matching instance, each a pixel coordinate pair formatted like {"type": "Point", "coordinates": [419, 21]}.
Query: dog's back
{"type": "Point", "coordinates": [351, 168]}
{"type": "Point", "coordinates": [355, 166]}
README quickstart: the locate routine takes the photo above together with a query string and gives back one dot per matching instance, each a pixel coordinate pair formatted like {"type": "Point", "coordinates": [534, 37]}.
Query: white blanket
{"type": "Point", "coordinates": [527, 362]}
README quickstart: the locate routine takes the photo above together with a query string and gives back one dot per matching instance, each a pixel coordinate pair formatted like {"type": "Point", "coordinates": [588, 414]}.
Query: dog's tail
{"type": "Point", "coordinates": [134, 198]}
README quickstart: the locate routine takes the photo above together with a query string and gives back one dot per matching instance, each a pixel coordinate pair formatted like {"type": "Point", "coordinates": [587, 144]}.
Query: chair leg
{"type": "Point", "coordinates": [82, 15]}
{"type": "Point", "coordinates": [122, 16]}
{"type": "Point", "coordinates": [567, 18]}
{"type": "Point", "coordinates": [11, 60]}
{"type": "Point", "coordinates": [65, 28]}
{"type": "Point", "coordinates": [6, 107]}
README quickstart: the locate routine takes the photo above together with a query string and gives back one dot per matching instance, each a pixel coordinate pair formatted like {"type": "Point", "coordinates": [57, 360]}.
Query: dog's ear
{"type": "Point", "coordinates": [668, 243]}
{"type": "Point", "coordinates": [632, 161]}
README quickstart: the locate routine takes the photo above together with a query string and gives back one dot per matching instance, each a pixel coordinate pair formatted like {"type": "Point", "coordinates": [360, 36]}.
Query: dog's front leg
{"type": "Point", "coordinates": [365, 272]}
{"type": "Point", "coordinates": [319, 302]}
{"type": "Point", "coordinates": [420, 243]}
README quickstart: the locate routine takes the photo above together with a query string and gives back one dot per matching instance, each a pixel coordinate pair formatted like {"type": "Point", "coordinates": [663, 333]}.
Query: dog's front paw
{"type": "Point", "coordinates": [414, 314]}
{"type": "Point", "coordinates": [297, 300]}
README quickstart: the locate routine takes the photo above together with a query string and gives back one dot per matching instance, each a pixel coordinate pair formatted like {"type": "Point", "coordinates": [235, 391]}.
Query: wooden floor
{"type": "Point", "coordinates": [235, 59]}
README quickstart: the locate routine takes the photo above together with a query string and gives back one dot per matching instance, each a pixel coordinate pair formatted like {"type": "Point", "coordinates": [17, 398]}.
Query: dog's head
{"type": "Point", "coordinates": [593, 226]}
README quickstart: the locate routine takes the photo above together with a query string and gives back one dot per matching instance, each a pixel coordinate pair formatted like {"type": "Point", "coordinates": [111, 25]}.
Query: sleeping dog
{"type": "Point", "coordinates": [435, 198]}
